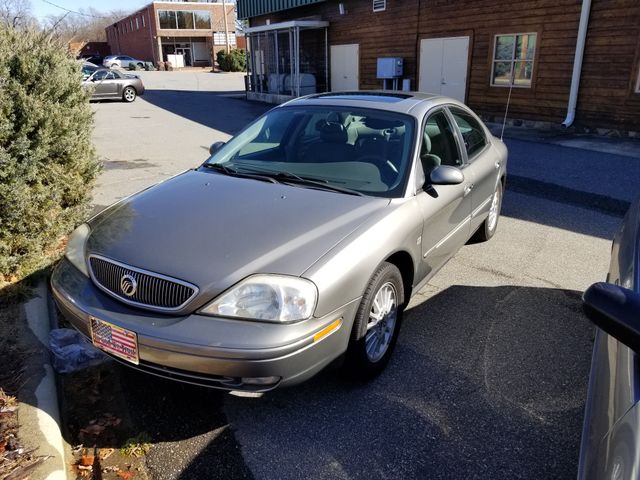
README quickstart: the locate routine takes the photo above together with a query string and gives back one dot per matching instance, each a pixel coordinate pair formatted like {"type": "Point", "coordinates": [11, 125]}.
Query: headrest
{"type": "Point", "coordinates": [426, 144]}
{"type": "Point", "coordinates": [333, 133]}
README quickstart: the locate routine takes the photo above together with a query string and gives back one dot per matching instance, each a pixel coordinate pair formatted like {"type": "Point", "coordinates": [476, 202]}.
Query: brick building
{"type": "Point", "coordinates": [193, 29]}
{"type": "Point", "coordinates": [474, 50]}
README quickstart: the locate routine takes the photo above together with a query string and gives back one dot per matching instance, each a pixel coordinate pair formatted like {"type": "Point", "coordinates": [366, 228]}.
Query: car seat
{"type": "Point", "coordinates": [428, 159]}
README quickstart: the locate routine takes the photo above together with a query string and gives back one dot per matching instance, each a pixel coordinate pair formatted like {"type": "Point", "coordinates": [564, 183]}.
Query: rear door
{"type": "Point", "coordinates": [446, 209]}
{"type": "Point", "coordinates": [482, 162]}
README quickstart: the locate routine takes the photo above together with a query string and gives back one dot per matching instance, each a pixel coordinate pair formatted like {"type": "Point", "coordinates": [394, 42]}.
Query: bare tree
{"type": "Point", "coordinates": [87, 24]}
{"type": "Point", "coordinates": [15, 13]}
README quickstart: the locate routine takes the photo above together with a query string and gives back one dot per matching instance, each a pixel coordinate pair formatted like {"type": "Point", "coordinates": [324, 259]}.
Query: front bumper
{"type": "Point", "coordinates": [210, 351]}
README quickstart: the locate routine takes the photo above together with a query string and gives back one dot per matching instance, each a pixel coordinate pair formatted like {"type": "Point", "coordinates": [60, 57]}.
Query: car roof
{"type": "Point", "coordinates": [413, 103]}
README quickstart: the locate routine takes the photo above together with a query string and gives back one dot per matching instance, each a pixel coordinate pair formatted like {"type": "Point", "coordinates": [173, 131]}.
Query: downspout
{"type": "Point", "coordinates": [577, 63]}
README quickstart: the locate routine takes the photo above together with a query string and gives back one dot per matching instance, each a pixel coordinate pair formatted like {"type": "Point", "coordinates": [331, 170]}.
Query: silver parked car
{"type": "Point", "coordinates": [611, 435]}
{"type": "Point", "coordinates": [122, 61]}
{"type": "Point", "coordinates": [107, 84]}
{"type": "Point", "coordinates": [297, 243]}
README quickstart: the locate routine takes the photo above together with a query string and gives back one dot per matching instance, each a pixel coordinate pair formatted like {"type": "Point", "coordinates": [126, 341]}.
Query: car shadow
{"type": "Point", "coordinates": [226, 112]}
{"type": "Point", "coordinates": [484, 383]}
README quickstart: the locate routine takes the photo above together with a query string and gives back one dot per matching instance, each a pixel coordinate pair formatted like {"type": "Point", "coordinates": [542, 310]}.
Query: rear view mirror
{"type": "Point", "coordinates": [615, 310]}
{"type": "Point", "coordinates": [215, 147]}
{"type": "Point", "coordinates": [446, 175]}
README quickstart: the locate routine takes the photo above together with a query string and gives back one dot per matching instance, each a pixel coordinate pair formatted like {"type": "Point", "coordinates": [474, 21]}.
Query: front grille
{"type": "Point", "coordinates": [152, 290]}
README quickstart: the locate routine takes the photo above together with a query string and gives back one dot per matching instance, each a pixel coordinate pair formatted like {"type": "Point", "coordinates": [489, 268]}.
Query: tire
{"type": "Point", "coordinates": [113, 65]}
{"type": "Point", "coordinates": [129, 94]}
{"type": "Point", "coordinates": [140, 64]}
{"type": "Point", "coordinates": [373, 340]}
{"type": "Point", "coordinates": [490, 225]}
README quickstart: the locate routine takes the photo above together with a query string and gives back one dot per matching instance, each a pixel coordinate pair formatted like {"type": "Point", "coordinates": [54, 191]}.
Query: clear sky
{"type": "Point", "coordinates": [41, 8]}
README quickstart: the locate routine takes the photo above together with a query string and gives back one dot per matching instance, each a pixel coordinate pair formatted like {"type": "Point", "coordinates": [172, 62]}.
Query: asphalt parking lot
{"type": "Point", "coordinates": [490, 372]}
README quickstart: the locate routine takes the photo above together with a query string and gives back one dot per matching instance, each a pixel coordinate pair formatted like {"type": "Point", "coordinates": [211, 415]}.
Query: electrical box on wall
{"type": "Point", "coordinates": [390, 67]}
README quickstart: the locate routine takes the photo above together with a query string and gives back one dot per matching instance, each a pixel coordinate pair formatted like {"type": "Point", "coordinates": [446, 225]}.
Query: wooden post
{"type": "Point", "coordinates": [226, 26]}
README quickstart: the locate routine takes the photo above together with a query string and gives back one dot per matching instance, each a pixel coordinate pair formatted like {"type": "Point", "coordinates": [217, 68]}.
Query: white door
{"type": "Point", "coordinates": [344, 67]}
{"type": "Point", "coordinates": [443, 66]}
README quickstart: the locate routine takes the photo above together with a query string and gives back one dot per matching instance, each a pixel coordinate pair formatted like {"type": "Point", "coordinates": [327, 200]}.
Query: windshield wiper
{"type": "Point", "coordinates": [236, 173]}
{"type": "Point", "coordinates": [288, 177]}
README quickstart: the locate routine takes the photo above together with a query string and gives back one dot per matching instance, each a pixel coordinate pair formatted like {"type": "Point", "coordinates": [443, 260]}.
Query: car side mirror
{"type": "Point", "coordinates": [616, 310]}
{"type": "Point", "coordinates": [216, 146]}
{"type": "Point", "coordinates": [446, 175]}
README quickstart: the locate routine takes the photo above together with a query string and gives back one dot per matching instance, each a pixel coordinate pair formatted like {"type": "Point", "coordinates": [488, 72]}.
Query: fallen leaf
{"type": "Point", "coordinates": [126, 475]}
{"type": "Point", "coordinates": [105, 453]}
{"type": "Point", "coordinates": [94, 429]}
{"type": "Point", "coordinates": [87, 460]}
{"type": "Point", "coordinates": [3, 444]}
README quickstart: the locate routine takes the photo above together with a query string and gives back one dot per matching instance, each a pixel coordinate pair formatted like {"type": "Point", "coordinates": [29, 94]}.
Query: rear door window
{"type": "Point", "coordinates": [472, 132]}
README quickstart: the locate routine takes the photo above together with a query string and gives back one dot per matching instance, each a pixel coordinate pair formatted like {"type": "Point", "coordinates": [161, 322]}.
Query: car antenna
{"type": "Point", "coordinates": [506, 110]}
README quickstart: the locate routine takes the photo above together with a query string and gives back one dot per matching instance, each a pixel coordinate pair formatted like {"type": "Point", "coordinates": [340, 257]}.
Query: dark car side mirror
{"type": "Point", "coordinates": [216, 146]}
{"type": "Point", "coordinates": [616, 310]}
{"type": "Point", "coordinates": [446, 175]}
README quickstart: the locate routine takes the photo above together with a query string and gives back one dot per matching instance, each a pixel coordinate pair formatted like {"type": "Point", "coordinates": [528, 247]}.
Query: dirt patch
{"type": "Point", "coordinates": [16, 462]}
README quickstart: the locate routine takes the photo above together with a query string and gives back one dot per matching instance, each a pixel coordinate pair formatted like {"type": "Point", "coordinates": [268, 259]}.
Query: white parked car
{"type": "Point", "coordinates": [123, 61]}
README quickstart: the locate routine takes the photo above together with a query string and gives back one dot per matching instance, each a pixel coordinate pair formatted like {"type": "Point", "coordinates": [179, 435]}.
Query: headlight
{"type": "Point", "coordinates": [274, 298]}
{"type": "Point", "coordinates": [75, 248]}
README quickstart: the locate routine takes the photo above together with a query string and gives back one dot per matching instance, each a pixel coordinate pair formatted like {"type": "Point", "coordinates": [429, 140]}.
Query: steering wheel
{"type": "Point", "coordinates": [388, 171]}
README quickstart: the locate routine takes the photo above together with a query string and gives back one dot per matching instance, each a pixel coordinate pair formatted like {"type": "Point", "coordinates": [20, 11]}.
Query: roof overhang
{"type": "Point", "coordinates": [287, 26]}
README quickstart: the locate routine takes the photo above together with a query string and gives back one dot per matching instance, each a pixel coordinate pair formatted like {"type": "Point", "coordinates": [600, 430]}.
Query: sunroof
{"type": "Point", "coordinates": [367, 97]}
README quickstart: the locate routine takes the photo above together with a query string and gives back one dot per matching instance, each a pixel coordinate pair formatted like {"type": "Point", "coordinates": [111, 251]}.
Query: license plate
{"type": "Point", "coordinates": [115, 340]}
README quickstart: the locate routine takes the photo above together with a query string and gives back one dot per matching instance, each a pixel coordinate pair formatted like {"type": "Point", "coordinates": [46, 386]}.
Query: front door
{"type": "Point", "coordinates": [344, 67]}
{"type": "Point", "coordinates": [186, 54]}
{"type": "Point", "coordinates": [443, 66]}
{"type": "Point", "coordinates": [446, 208]}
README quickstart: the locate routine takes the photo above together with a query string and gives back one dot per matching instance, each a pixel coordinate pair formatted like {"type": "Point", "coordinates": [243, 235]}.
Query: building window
{"type": "Point", "coordinates": [131, 25]}
{"type": "Point", "coordinates": [218, 38]}
{"type": "Point", "coordinates": [142, 20]}
{"type": "Point", "coordinates": [137, 24]}
{"type": "Point", "coordinates": [513, 56]}
{"type": "Point", "coordinates": [379, 5]}
{"type": "Point", "coordinates": [184, 20]}
{"type": "Point", "coordinates": [202, 20]}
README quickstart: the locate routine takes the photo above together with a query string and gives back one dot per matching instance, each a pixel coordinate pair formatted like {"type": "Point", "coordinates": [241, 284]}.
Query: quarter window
{"type": "Point", "coordinates": [513, 57]}
{"type": "Point", "coordinates": [472, 132]}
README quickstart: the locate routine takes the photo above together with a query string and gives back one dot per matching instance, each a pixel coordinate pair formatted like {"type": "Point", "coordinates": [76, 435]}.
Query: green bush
{"type": "Point", "coordinates": [47, 161]}
{"type": "Point", "coordinates": [234, 61]}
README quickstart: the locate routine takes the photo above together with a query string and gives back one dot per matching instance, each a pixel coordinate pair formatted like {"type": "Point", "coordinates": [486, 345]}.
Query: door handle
{"type": "Point", "coordinates": [468, 188]}
{"type": "Point", "coordinates": [497, 165]}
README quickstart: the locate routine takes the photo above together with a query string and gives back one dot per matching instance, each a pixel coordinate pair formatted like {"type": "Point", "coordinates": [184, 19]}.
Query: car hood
{"type": "Point", "coordinates": [213, 230]}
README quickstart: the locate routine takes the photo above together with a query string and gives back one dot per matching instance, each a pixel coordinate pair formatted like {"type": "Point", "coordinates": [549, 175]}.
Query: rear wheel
{"type": "Point", "coordinates": [377, 323]}
{"type": "Point", "coordinates": [129, 94]}
{"type": "Point", "coordinates": [490, 225]}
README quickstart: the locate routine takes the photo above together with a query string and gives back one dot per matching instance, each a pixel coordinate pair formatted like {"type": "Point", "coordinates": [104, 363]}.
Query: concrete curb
{"type": "Point", "coordinates": [39, 410]}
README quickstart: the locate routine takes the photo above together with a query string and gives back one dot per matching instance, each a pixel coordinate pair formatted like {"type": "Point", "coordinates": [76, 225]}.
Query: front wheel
{"type": "Point", "coordinates": [129, 94]}
{"type": "Point", "coordinates": [377, 323]}
{"type": "Point", "coordinates": [490, 225]}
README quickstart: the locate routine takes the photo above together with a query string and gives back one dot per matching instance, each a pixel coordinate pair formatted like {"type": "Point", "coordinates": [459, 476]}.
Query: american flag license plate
{"type": "Point", "coordinates": [115, 340]}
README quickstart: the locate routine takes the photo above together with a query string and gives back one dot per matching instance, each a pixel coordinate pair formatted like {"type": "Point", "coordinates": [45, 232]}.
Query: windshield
{"type": "Point", "coordinates": [365, 150]}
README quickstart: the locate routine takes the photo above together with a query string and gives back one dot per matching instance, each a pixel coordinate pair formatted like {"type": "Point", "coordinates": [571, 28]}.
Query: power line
{"type": "Point", "coordinates": [74, 11]}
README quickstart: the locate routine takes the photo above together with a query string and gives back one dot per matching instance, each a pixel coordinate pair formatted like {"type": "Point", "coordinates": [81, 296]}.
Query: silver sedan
{"type": "Point", "coordinates": [112, 84]}
{"type": "Point", "coordinates": [297, 243]}
{"type": "Point", "coordinates": [611, 434]}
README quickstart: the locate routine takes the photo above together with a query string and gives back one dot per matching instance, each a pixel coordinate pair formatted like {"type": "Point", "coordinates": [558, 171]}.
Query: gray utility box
{"type": "Point", "coordinates": [390, 67]}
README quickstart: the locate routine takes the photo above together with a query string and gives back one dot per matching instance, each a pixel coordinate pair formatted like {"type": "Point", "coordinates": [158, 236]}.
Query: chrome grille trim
{"type": "Point", "coordinates": [155, 291]}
